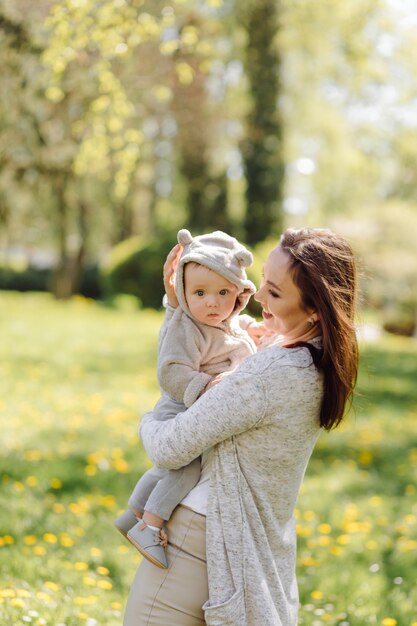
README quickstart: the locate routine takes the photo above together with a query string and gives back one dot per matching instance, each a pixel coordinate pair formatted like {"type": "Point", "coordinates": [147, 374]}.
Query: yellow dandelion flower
{"type": "Point", "coordinates": [375, 500]}
{"type": "Point", "coordinates": [7, 593]}
{"type": "Point", "coordinates": [8, 540]}
{"type": "Point", "coordinates": [42, 595]}
{"type": "Point", "coordinates": [50, 538]}
{"type": "Point", "coordinates": [309, 516]}
{"type": "Point", "coordinates": [19, 487]}
{"type": "Point", "coordinates": [57, 507]}
{"type": "Point", "coordinates": [336, 550]}
{"type": "Point", "coordinates": [17, 603]}
{"type": "Point", "coordinates": [49, 584]}
{"type": "Point", "coordinates": [123, 549]}
{"type": "Point", "coordinates": [365, 457]}
{"type": "Point", "coordinates": [389, 621]}
{"type": "Point", "coordinates": [118, 605]}
{"type": "Point", "coordinates": [32, 455]}
{"type": "Point", "coordinates": [309, 562]}
{"type": "Point", "coordinates": [29, 540]}
{"type": "Point", "coordinates": [104, 584]}
{"type": "Point", "coordinates": [304, 531]}
{"type": "Point", "coordinates": [326, 529]}
{"type": "Point", "coordinates": [89, 582]}
{"type": "Point", "coordinates": [95, 552]}
{"type": "Point", "coordinates": [407, 545]}
{"type": "Point", "coordinates": [39, 551]}
{"type": "Point", "coordinates": [343, 539]}
{"type": "Point", "coordinates": [120, 465]}
{"type": "Point", "coordinates": [109, 502]}
{"type": "Point", "coordinates": [90, 470]}
{"type": "Point", "coordinates": [104, 571]}
{"type": "Point", "coordinates": [65, 540]}
{"type": "Point", "coordinates": [31, 481]}
{"type": "Point", "coordinates": [324, 540]}
{"type": "Point", "coordinates": [83, 615]}
{"type": "Point", "coordinates": [316, 595]}
{"type": "Point", "coordinates": [23, 593]}
{"type": "Point", "coordinates": [80, 566]}
{"type": "Point", "coordinates": [56, 483]}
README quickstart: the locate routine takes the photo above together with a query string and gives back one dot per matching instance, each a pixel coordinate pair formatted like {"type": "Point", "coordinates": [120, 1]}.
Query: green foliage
{"type": "Point", "coordinates": [73, 381]}
{"type": "Point", "coordinates": [135, 267]}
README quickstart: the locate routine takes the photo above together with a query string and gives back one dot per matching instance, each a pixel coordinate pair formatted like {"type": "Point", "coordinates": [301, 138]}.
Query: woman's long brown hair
{"type": "Point", "coordinates": [323, 267]}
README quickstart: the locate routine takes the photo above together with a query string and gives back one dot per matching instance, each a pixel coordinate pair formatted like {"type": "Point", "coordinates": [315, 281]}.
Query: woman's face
{"type": "Point", "coordinates": [281, 299]}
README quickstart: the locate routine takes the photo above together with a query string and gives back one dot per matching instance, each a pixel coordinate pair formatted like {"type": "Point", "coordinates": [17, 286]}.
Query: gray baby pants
{"type": "Point", "coordinates": [159, 491]}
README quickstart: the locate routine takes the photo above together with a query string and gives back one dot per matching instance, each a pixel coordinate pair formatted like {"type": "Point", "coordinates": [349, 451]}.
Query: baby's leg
{"type": "Point", "coordinates": [143, 489]}
{"type": "Point", "coordinates": [171, 489]}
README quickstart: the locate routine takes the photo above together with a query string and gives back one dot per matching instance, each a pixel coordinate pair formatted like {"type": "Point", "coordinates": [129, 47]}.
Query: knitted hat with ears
{"type": "Point", "coordinates": [222, 254]}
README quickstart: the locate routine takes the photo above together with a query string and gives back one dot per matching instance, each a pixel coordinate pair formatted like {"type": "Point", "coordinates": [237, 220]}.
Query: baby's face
{"type": "Point", "coordinates": [210, 297]}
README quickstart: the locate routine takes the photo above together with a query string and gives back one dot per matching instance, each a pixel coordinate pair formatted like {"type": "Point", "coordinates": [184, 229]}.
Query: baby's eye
{"type": "Point", "coordinates": [273, 293]}
{"type": "Point", "coordinates": [200, 292]}
{"type": "Point", "coordinates": [223, 292]}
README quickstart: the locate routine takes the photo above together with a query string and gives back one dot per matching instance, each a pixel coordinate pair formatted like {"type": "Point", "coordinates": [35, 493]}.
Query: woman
{"type": "Point", "coordinates": [260, 426]}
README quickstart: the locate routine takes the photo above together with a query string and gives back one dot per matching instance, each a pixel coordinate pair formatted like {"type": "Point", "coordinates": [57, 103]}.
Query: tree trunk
{"type": "Point", "coordinates": [262, 149]}
{"type": "Point", "coordinates": [67, 275]}
{"type": "Point", "coordinates": [61, 283]}
{"type": "Point", "coordinates": [195, 139]}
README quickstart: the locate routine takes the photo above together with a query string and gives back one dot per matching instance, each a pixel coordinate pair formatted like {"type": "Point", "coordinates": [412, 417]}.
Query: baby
{"type": "Point", "coordinates": [200, 339]}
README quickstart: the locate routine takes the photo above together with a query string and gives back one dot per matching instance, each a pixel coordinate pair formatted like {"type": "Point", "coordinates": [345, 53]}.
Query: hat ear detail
{"type": "Point", "coordinates": [244, 258]}
{"type": "Point", "coordinates": [184, 237]}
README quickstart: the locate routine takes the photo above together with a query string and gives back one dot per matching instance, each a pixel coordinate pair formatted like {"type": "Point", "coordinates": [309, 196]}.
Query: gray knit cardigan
{"type": "Point", "coordinates": [263, 421]}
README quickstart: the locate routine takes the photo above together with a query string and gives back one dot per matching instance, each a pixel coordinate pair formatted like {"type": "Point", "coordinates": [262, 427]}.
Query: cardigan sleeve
{"type": "Point", "coordinates": [235, 405]}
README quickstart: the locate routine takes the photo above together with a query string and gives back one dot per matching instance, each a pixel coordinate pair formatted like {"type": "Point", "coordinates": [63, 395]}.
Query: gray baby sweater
{"type": "Point", "coordinates": [263, 421]}
{"type": "Point", "coordinates": [190, 354]}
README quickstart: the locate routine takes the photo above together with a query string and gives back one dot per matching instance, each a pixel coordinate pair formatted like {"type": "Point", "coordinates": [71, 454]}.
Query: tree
{"type": "Point", "coordinates": [262, 147]}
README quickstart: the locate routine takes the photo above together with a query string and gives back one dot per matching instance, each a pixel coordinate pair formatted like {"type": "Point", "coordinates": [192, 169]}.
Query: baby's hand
{"type": "Point", "coordinates": [257, 331]}
{"type": "Point", "coordinates": [170, 267]}
{"type": "Point", "coordinates": [216, 380]}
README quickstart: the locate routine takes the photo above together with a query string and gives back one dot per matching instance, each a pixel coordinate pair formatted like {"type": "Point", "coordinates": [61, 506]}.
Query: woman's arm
{"type": "Point", "coordinates": [233, 406]}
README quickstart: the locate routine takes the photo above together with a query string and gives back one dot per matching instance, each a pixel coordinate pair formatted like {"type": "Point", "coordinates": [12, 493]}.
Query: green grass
{"type": "Point", "coordinates": [74, 378]}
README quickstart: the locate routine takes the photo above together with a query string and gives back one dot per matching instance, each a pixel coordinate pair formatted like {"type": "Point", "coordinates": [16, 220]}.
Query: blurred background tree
{"type": "Point", "coordinates": [128, 119]}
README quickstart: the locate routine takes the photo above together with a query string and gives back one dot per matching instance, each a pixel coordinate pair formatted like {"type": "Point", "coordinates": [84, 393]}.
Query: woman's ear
{"type": "Point", "coordinates": [313, 318]}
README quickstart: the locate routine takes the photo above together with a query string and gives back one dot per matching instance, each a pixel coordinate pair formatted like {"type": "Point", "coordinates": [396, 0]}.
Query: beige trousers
{"type": "Point", "coordinates": [173, 597]}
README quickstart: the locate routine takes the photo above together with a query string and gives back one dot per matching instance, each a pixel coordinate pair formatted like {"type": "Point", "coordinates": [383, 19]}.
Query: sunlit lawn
{"type": "Point", "coordinates": [74, 377]}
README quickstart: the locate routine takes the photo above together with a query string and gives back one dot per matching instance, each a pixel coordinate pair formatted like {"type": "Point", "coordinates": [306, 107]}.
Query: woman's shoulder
{"type": "Point", "coordinates": [277, 357]}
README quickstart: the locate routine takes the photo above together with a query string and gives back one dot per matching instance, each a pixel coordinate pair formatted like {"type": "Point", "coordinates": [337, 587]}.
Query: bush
{"type": "Point", "coordinates": [135, 268]}
{"type": "Point", "coordinates": [27, 279]}
{"type": "Point", "coordinates": [35, 279]}
{"type": "Point", "coordinates": [401, 318]}
{"type": "Point", "coordinates": [90, 282]}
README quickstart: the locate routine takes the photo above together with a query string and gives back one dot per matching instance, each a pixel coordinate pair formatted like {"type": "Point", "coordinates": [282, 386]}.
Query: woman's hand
{"type": "Point", "coordinates": [257, 332]}
{"type": "Point", "coordinates": [170, 268]}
